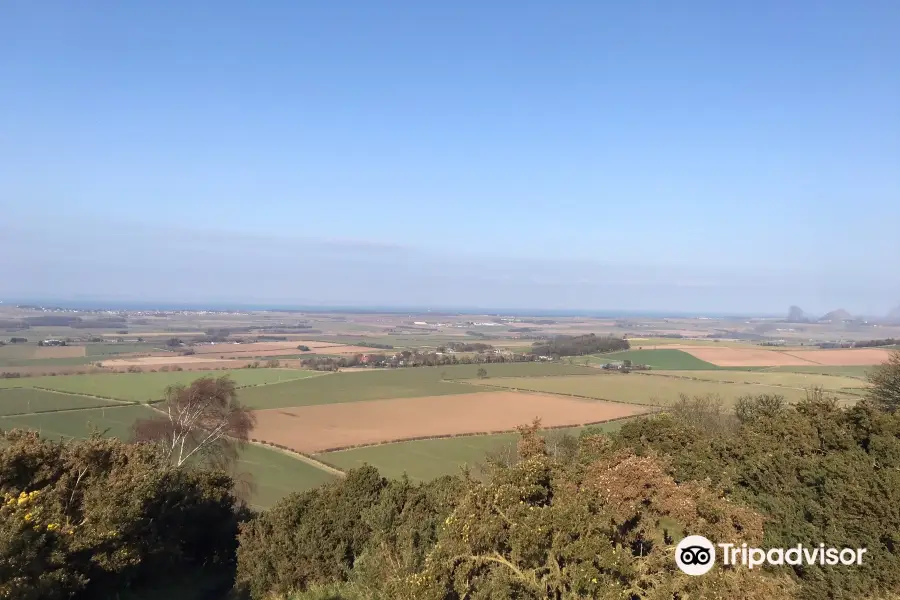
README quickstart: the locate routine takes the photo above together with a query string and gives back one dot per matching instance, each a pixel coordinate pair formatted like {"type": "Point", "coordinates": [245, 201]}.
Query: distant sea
{"type": "Point", "coordinates": [398, 310]}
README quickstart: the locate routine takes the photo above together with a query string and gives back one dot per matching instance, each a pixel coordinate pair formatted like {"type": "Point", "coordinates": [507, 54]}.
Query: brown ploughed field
{"type": "Point", "coordinates": [844, 357]}
{"type": "Point", "coordinates": [745, 357]}
{"type": "Point", "coordinates": [326, 427]}
{"type": "Point", "coordinates": [762, 357]}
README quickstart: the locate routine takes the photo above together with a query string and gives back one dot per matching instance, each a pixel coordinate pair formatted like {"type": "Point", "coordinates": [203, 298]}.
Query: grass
{"type": "Point", "coordinates": [379, 384]}
{"type": "Point", "coordinates": [48, 362]}
{"type": "Point", "coordinates": [14, 401]}
{"type": "Point", "coordinates": [659, 359]}
{"type": "Point", "coordinates": [115, 420]}
{"type": "Point", "coordinates": [353, 387]}
{"type": "Point", "coordinates": [787, 379]}
{"type": "Point", "coordinates": [524, 369]}
{"type": "Point", "coordinates": [856, 371]}
{"type": "Point", "coordinates": [276, 474]}
{"type": "Point", "coordinates": [98, 350]}
{"type": "Point", "coordinates": [650, 390]}
{"type": "Point", "coordinates": [423, 460]}
{"type": "Point", "coordinates": [144, 387]}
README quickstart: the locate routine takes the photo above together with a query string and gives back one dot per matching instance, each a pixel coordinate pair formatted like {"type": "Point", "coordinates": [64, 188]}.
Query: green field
{"type": "Point", "coordinates": [658, 359]}
{"type": "Point", "coordinates": [353, 387]}
{"type": "Point", "coordinates": [423, 460]}
{"type": "Point", "coordinates": [378, 384]}
{"type": "Point", "coordinates": [276, 474]}
{"type": "Point", "coordinates": [47, 362]}
{"type": "Point", "coordinates": [792, 380]}
{"type": "Point", "coordinates": [15, 401]}
{"type": "Point", "coordinates": [110, 349]}
{"type": "Point", "coordinates": [651, 390]}
{"type": "Point", "coordinates": [523, 369]}
{"type": "Point", "coordinates": [143, 387]}
{"type": "Point", "coordinates": [115, 419]}
{"type": "Point", "coordinates": [856, 371]}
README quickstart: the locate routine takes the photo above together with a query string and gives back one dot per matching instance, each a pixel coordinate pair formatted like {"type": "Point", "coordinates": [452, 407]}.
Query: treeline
{"type": "Point", "coordinates": [409, 358]}
{"type": "Point", "coordinates": [465, 347]}
{"type": "Point", "coordinates": [566, 345]}
{"type": "Point", "coordinates": [877, 343]}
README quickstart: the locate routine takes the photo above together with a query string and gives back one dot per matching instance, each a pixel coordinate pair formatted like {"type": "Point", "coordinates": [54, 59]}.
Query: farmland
{"type": "Point", "coordinates": [645, 389]}
{"type": "Point", "coordinates": [317, 411]}
{"type": "Point", "coordinates": [422, 460]}
{"type": "Point", "coordinates": [146, 387]}
{"type": "Point", "coordinates": [325, 427]}
{"type": "Point", "coordinates": [658, 359]}
{"type": "Point", "coordinates": [352, 387]}
{"type": "Point", "coordinates": [116, 421]}
{"type": "Point", "coordinates": [800, 381]}
{"type": "Point", "coordinates": [765, 357]}
{"type": "Point", "coordinates": [14, 401]}
{"type": "Point", "coordinates": [392, 383]}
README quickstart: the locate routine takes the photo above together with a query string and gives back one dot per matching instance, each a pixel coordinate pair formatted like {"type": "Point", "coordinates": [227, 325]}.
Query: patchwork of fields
{"type": "Point", "coordinates": [648, 389]}
{"type": "Point", "coordinates": [316, 413]}
{"type": "Point", "coordinates": [147, 387]}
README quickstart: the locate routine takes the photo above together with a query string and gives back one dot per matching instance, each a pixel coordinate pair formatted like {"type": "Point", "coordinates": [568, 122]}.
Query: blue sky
{"type": "Point", "coordinates": [689, 156]}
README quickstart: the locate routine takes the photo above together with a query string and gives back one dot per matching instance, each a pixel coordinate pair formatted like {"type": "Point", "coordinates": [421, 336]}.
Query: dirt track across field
{"type": "Point", "coordinates": [330, 426]}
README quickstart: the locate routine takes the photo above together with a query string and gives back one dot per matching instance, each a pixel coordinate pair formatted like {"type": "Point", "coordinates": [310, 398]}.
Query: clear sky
{"type": "Point", "coordinates": [698, 155]}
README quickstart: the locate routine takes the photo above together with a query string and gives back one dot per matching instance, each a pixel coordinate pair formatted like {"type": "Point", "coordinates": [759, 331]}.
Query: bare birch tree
{"type": "Point", "coordinates": [203, 421]}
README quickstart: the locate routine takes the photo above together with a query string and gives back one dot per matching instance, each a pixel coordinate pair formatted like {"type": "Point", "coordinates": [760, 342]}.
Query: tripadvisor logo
{"type": "Point", "coordinates": [696, 555]}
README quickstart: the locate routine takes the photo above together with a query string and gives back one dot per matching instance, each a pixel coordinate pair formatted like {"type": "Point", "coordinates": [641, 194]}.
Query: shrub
{"type": "Point", "coordinates": [99, 515]}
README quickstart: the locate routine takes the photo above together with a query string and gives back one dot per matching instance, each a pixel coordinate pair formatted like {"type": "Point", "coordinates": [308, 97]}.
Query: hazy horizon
{"type": "Point", "coordinates": [704, 157]}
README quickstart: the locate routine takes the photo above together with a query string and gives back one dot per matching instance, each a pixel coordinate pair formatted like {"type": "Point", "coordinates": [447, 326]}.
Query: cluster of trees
{"type": "Point", "coordinates": [408, 358]}
{"type": "Point", "coordinates": [877, 343]}
{"type": "Point", "coordinates": [466, 347]}
{"type": "Point", "coordinates": [18, 340]}
{"type": "Point", "coordinates": [559, 517]}
{"type": "Point", "coordinates": [567, 345]}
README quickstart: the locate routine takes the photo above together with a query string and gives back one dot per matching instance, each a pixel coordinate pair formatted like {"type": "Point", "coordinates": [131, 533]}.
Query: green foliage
{"type": "Point", "coordinates": [885, 382]}
{"type": "Point", "coordinates": [601, 529]}
{"type": "Point", "coordinates": [308, 538]}
{"type": "Point", "coordinates": [819, 473]}
{"type": "Point", "coordinates": [98, 516]}
{"type": "Point", "coordinates": [363, 527]}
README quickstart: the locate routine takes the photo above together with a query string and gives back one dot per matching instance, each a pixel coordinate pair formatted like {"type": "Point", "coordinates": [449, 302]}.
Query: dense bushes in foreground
{"type": "Point", "coordinates": [98, 517]}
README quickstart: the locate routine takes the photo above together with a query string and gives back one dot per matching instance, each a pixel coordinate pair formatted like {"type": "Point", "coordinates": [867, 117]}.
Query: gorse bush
{"type": "Point", "coordinates": [99, 516]}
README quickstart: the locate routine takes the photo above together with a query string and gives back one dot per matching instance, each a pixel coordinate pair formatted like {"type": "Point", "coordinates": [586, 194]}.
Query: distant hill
{"type": "Point", "coordinates": [836, 316]}
{"type": "Point", "coordinates": [796, 315]}
{"type": "Point", "coordinates": [894, 315]}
